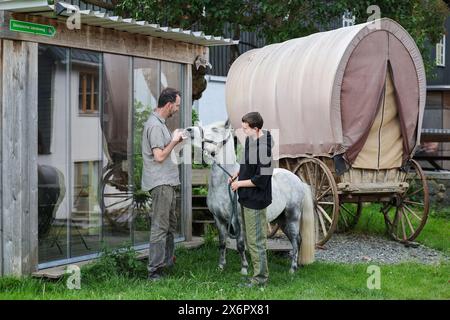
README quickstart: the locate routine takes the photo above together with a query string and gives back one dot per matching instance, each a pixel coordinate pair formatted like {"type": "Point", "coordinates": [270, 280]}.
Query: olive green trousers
{"type": "Point", "coordinates": [255, 227]}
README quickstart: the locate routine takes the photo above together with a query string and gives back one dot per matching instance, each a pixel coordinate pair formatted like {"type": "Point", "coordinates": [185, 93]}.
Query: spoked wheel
{"type": "Point", "coordinates": [118, 200]}
{"type": "Point", "coordinates": [407, 215]}
{"type": "Point", "coordinates": [325, 196]}
{"type": "Point", "coordinates": [348, 216]}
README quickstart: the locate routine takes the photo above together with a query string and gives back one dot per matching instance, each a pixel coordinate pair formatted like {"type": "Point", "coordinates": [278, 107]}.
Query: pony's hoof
{"type": "Point", "coordinates": [244, 271]}
{"type": "Point", "coordinates": [292, 270]}
{"type": "Point", "coordinates": [221, 267]}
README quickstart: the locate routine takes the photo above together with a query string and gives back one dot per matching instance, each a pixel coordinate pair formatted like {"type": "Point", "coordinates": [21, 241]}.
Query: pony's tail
{"type": "Point", "coordinates": [308, 245]}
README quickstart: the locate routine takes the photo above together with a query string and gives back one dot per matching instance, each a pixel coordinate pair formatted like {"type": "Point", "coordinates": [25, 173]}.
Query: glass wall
{"type": "Point", "coordinates": [146, 81]}
{"type": "Point", "coordinates": [53, 160]}
{"type": "Point", "coordinates": [91, 112]}
{"type": "Point", "coordinates": [150, 77]}
{"type": "Point", "coordinates": [85, 151]}
{"type": "Point", "coordinates": [172, 76]}
{"type": "Point", "coordinates": [117, 184]}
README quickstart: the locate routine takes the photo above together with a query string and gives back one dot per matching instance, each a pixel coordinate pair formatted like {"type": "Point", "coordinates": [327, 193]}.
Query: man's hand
{"type": "Point", "coordinates": [177, 136]}
{"type": "Point", "coordinates": [162, 154]}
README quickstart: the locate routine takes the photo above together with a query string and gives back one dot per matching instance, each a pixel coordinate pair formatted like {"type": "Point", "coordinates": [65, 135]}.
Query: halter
{"type": "Point", "coordinates": [221, 143]}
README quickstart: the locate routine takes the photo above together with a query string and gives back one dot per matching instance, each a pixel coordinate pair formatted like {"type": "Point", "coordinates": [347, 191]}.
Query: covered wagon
{"type": "Point", "coordinates": [348, 104]}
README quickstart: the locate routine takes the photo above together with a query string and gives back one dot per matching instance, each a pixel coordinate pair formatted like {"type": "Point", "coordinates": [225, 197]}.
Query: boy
{"type": "Point", "coordinates": [254, 187]}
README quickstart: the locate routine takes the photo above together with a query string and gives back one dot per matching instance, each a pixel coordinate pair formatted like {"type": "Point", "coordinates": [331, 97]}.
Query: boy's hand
{"type": "Point", "coordinates": [235, 185]}
{"type": "Point", "coordinates": [230, 180]}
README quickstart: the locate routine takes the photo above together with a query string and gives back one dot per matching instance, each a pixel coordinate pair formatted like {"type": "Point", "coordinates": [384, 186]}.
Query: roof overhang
{"type": "Point", "coordinates": [62, 11]}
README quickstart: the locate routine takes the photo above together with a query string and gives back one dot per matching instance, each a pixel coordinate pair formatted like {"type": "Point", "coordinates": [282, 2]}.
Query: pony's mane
{"type": "Point", "coordinates": [221, 124]}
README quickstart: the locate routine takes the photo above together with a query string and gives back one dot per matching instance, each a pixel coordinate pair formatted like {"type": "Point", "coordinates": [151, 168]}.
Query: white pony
{"type": "Point", "coordinates": [292, 204]}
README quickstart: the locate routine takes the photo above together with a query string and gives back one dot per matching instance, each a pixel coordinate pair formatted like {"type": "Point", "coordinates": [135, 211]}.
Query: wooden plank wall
{"type": "Point", "coordinates": [105, 40]}
{"type": "Point", "coordinates": [19, 162]}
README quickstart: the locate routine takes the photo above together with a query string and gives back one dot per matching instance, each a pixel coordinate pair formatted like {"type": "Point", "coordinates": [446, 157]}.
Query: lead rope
{"type": "Point", "coordinates": [233, 198]}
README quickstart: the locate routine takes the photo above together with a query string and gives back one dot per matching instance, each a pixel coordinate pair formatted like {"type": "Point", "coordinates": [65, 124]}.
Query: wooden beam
{"type": "Point", "coordinates": [105, 40]}
{"type": "Point", "coordinates": [187, 170]}
{"type": "Point", "coordinates": [19, 163]}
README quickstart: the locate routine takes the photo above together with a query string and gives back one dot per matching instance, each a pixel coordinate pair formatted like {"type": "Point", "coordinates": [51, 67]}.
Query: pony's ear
{"type": "Point", "coordinates": [227, 124]}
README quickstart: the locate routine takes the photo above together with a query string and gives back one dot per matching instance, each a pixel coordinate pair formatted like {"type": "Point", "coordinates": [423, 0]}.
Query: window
{"type": "Point", "coordinates": [88, 92]}
{"type": "Point", "coordinates": [432, 117]}
{"type": "Point", "coordinates": [434, 100]}
{"type": "Point", "coordinates": [440, 52]}
{"type": "Point", "coordinates": [348, 19]}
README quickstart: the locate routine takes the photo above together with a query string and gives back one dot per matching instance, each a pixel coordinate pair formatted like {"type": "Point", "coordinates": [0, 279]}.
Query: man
{"type": "Point", "coordinates": [254, 188]}
{"type": "Point", "coordinates": [160, 177]}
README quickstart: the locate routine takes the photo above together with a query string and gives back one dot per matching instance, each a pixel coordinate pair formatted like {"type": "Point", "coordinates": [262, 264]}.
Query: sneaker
{"type": "Point", "coordinates": [253, 284]}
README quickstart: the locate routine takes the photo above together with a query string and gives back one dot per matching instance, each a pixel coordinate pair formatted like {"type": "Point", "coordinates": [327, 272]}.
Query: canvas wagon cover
{"type": "Point", "coordinates": [324, 91]}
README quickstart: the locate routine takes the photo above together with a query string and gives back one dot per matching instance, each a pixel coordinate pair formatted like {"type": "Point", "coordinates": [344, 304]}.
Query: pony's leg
{"type": "Point", "coordinates": [222, 242]}
{"type": "Point", "coordinates": [292, 230]}
{"type": "Point", "coordinates": [240, 243]}
{"type": "Point", "coordinates": [240, 246]}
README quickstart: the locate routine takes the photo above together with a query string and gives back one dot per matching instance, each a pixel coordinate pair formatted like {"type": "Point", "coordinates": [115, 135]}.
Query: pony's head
{"type": "Point", "coordinates": [211, 139]}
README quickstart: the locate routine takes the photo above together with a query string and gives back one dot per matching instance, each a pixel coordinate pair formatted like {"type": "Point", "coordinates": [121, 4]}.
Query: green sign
{"type": "Point", "coordinates": [30, 27]}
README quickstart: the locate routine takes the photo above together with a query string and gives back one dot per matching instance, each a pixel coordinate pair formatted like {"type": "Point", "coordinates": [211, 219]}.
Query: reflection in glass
{"type": "Point", "coordinates": [172, 76]}
{"type": "Point", "coordinates": [145, 95]}
{"type": "Point", "coordinates": [86, 152]}
{"type": "Point", "coordinates": [117, 182]}
{"type": "Point", "coordinates": [53, 169]}
{"type": "Point", "coordinates": [89, 149]}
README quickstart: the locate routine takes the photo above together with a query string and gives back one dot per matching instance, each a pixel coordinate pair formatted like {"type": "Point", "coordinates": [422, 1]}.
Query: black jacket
{"type": "Point", "coordinates": [256, 165]}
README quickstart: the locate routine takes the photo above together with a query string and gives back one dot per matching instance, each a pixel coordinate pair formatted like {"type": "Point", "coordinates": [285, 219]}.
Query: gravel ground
{"type": "Point", "coordinates": [357, 248]}
{"type": "Point", "coordinates": [361, 248]}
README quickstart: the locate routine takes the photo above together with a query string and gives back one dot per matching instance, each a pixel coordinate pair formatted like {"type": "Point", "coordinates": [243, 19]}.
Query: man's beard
{"type": "Point", "coordinates": [172, 113]}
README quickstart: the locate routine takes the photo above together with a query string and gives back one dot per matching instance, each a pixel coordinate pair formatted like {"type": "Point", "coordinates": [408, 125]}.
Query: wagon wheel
{"type": "Point", "coordinates": [348, 216]}
{"type": "Point", "coordinates": [325, 196]}
{"type": "Point", "coordinates": [407, 216]}
{"type": "Point", "coordinates": [119, 201]}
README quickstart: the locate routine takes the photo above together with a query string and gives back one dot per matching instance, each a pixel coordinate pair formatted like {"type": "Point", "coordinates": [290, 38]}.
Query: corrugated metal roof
{"type": "Point", "coordinates": [104, 20]}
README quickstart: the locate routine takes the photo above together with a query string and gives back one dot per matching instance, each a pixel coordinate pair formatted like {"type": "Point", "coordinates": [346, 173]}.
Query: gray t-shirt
{"type": "Point", "coordinates": [157, 135]}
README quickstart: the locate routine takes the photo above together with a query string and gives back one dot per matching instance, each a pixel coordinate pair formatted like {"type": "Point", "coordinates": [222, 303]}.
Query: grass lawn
{"type": "Point", "coordinates": [196, 276]}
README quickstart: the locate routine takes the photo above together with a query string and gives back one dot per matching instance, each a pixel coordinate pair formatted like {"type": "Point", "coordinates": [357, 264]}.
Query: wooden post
{"type": "Point", "coordinates": [19, 157]}
{"type": "Point", "coordinates": [1, 157]}
{"type": "Point", "coordinates": [187, 169]}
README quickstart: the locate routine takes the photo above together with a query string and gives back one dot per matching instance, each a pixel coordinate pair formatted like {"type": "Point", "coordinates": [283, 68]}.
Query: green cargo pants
{"type": "Point", "coordinates": [163, 228]}
{"type": "Point", "coordinates": [255, 226]}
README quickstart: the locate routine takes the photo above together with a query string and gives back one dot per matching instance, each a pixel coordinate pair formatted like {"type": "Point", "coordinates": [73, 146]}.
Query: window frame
{"type": "Point", "coordinates": [93, 105]}
{"type": "Point", "coordinates": [440, 52]}
{"type": "Point", "coordinates": [348, 19]}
